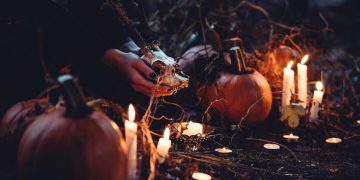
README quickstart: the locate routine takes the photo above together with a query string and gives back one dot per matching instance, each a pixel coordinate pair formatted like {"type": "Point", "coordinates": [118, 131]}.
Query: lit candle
{"type": "Point", "coordinates": [193, 129]}
{"type": "Point", "coordinates": [201, 176]}
{"type": "Point", "coordinates": [271, 146]}
{"type": "Point", "coordinates": [288, 84]}
{"type": "Point", "coordinates": [291, 137]}
{"type": "Point", "coordinates": [333, 140]}
{"type": "Point", "coordinates": [302, 81]}
{"type": "Point", "coordinates": [163, 146]}
{"type": "Point", "coordinates": [131, 142]}
{"type": "Point", "coordinates": [318, 96]}
{"type": "Point", "coordinates": [223, 150]}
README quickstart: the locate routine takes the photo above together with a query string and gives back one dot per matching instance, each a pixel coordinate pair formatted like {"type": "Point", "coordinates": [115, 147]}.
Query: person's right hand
{"type": "Point", "coordinates": [140, 76]}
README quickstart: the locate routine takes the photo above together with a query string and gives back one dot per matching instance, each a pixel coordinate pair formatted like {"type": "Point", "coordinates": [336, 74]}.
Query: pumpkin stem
{"type": "Point", "coordinates": [74, 97]}
{"type": "Point", "coordinates": [237, 60]}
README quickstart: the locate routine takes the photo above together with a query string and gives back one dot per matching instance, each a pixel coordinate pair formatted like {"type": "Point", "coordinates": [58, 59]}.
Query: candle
{"type": "Point", "coordinates": [271, 146]}
{"type": "Point", "coordinates": [302, 81]}
{"type": "Point", "coordinates": [223, 150]}
{"type": "Point", "coordinates": [358, 122]}
{"type": "Point", "coordinates": [163, 146]}
{"type": "Point", "coordinates": [131, 142]}
{"type": "Point", "coordinates": [193, 129]}
{"type": "Point", "coordinates": [291, 137]}
{"type": "Point", "coordinates": [200, 176]}
{"type": "Point", "coordinates": [333, 140]}
{"type": "Point", "coordinates": [318, 96]}
{"type": "Point", "coordinates": [288, 84]}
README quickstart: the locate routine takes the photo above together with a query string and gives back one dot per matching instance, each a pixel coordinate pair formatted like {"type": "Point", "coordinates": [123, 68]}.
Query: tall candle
{"type": "Point", "coordinates": [163, 146]}
{"type": "Point", "coordinates": [131, 142]}
{"type": "Point", "coordinates": [288, 85]}
{"type": "Point", "coordinates": [302, 81]}
{"type": "Point", "coordinates": [317, 99]}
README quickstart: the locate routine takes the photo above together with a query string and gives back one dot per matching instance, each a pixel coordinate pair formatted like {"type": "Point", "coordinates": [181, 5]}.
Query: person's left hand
{"type": "Point", "coordinates": [140, 76]}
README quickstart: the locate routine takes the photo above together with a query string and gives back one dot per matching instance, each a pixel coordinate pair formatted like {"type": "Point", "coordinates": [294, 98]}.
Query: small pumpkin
{"type": "Point", "coordinates": [275, 62]}
{"type": "Point", "coordinates": [242, 96]}
{"type": "Point", "coordinates": [14, 123]}
{"type": "Point", "coordinates": [72, 143]}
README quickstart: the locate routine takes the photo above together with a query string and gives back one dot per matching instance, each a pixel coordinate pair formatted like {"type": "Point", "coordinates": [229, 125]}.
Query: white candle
{"type": "Point", "coordinates": [163, 146]}
{"type": "Point", "coordinates": [223, 150]}
{"type": "Point", "coordinates": [333, 140]}
{"type": "Point", "coordinates": [131, 142]}
{"type": "Point", "coordinates": [193, 129]}
{"type": "Point", "coordinates": [271, 146]}
{"type": "Point", "coordinates": [291, 137]}
{"type": "Point", "coordinates": [302, 81]}
{"type": "Point", "coordinates": [288, 85]}
{"type": "Point", "coordinates": [318, 96]}
{"type": "Point", "coordinates": [201, 176]}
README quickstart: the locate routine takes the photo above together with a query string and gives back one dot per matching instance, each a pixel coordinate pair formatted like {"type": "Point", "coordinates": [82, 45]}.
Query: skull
{"type": "Point", "coordinates": [168, 70]}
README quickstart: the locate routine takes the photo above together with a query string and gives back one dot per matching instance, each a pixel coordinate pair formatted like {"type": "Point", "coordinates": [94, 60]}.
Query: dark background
{"type": "Point", "coordinates": [22, 77]}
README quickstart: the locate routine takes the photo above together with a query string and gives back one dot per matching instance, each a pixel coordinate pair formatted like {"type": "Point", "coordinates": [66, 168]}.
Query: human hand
{"type": "Point", "coordinates": [140, 76]}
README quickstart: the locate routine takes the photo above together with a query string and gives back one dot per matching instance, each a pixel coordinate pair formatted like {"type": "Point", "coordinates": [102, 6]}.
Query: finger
{"type": "Point", "coordinates": [144, 69]}
{"type": "Point", "coordinates": [153, 93]}
{"type": "Point", "coordinates": [137, 80]}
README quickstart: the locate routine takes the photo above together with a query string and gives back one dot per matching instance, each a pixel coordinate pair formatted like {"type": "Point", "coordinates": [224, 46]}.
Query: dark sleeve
{"type": "Point", "coordinates": [100, 19]}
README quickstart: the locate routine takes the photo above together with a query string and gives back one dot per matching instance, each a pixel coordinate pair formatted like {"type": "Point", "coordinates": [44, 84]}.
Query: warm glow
{"type": "Point", "coordinates": [290, 64]}
{"type": "Point", "coordinates": [291, 134]}
{"type": "Point", "coordinates": [319, 86]}
{"type": "Point", "coordinates": [167, 133]}
{"type": "Point", "coordinates": [131, 113]}
{"type": "Point", "coordinates": [304, 59]}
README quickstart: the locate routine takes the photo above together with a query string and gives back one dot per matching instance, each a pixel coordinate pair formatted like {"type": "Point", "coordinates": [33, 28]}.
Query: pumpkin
{"type": "Point", "coordinates": [72, 143]}
{"type": "Point", "coordinates": [275, 62]}
{"type": "Point", "coordinates": [239, 96]}
{"type": "Point", "coordinates": [14, 123]}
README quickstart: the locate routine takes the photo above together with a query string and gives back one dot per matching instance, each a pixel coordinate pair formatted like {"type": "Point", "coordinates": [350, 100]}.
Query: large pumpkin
{"type": "Point", "coordinates": [76, 143]}
{"type": "Point", "coordinates": [243, 96]}
{"type": "Point", "coordinates": [14, 123]}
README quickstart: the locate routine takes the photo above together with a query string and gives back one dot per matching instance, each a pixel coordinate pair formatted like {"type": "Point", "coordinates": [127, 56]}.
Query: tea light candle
{"type": "Point", "coordinates": [201, 176]}
{"type": "Point", "coordinates": [317, 99]}
{"type": "Point", "coordinates": [302, 81]}
{"type": "Point", "coordinates": [193, 129]}
{"type": "Point", "coordinates": [271, 146]}
{"type": "Point", "coordinates": [288, 85]}
{"type": "Point", "coordinates": [291, 137]}
{"type": "Point", "coordinates": [131, 142]}
{"type": "Point", "coordinates": [163, 146]}
{"type": "Point", "coordinates": [333, 140]}
{"type": "Point", "coordinates": [223, 150]}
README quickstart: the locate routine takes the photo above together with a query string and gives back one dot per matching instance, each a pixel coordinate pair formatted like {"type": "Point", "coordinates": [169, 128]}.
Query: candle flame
{"type": "Point", "coordinates": [304, 59]}
{"type": "Point", "coordinates": [319, 86]}
{"type": "Point", "coordinates": [291, 134]}
{"type": "Point", "coordinates": [167, 133]}
{"type": "Point", "coordinates": [131, 113]}
{"type": "Point", "coordinates": [290, 64]}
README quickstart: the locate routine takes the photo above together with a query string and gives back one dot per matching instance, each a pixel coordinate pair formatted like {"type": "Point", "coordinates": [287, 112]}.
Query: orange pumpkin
{"type": "Point", "coordinates": [243, 96]}
{"type": "Point", "coordinates": [275, 62]}
{"type": "Point", "coordinates": [76, 143]}
{"type": "Point", "coordinates": [14, 123]}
